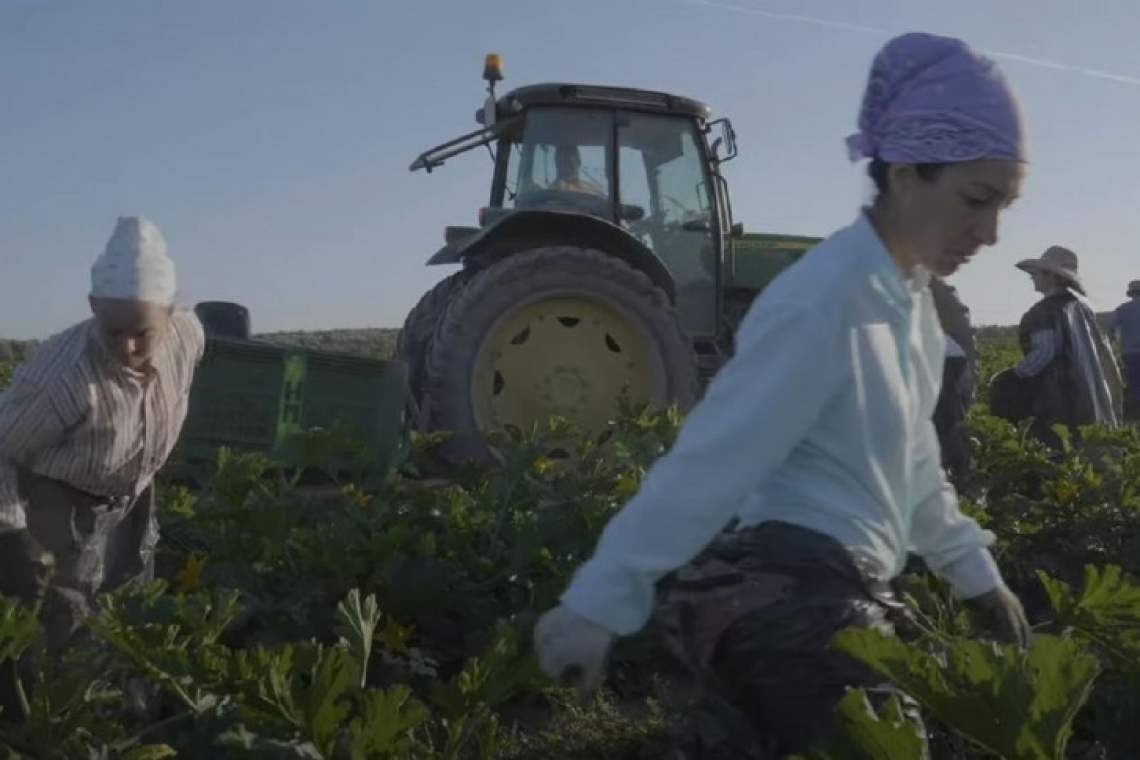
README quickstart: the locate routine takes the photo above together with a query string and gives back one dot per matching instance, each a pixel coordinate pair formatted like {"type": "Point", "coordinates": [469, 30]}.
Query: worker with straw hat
{"type": "Point", "coordinates": [1068, 375]}
{"type": "Point", "coordinates": [790, 499]}
{"type": "Point", "coordinates": [85, 425]}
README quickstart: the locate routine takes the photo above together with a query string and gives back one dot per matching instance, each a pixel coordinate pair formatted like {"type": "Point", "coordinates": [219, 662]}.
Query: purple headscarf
{"type": "Point", "coordinates": [933, 99]}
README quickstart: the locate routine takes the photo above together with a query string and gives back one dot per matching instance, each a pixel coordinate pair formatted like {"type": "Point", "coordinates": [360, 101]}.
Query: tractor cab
{"type": "Point", "coordinates": [635, 160]}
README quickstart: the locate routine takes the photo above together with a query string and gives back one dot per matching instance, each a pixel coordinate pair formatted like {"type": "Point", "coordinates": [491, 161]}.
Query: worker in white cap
{"type": "Point", "coordinates": [84, 426]}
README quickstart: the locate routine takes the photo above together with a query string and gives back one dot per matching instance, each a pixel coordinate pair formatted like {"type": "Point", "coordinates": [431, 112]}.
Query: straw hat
{"type": "Point", "coordinates": [1056, 260]}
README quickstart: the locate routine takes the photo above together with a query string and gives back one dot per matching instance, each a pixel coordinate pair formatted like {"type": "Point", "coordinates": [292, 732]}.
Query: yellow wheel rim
{"type": "Point", "coordinates": [561, 356]}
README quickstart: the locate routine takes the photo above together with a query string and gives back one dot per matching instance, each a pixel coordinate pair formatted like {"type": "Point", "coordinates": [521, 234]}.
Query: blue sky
{"type": "Point", "coordinates": [270, 139]}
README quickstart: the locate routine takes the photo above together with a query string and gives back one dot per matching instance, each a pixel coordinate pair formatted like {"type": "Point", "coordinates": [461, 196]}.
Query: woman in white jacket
{"type": "Point", "coordinates": [817, 435]}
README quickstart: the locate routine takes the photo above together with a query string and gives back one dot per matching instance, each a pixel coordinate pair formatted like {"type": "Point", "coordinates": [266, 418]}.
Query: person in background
{"type": "Point", "coordinates": [1068, 374]}
{"type": "Point", "coordinates": [796, 487]}
{"type": "Point", "coordinates": [568, 165]}
{"type": "Point", "coordinates": [959, 378]}
{"type": "Point", "coordinates": [85, 425]}
{"type": "Point", "coordinates": [1125, 324]}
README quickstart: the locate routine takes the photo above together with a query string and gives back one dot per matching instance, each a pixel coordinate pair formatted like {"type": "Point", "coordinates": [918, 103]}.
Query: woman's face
{"type": "Point", "coordinates": [1043, 282]}
{"type": "Point", "coordinates": [943, 222]}
{"type": "Point", "coordinates": [131, 331]}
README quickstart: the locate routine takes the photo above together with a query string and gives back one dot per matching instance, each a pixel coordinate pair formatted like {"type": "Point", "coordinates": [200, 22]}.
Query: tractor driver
{"type": "Point", "coordinates": [567, 163]}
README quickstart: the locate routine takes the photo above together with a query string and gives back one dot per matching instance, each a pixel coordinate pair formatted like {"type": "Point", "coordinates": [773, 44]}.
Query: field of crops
{"type": "Point", "coordinates": [397, 624]}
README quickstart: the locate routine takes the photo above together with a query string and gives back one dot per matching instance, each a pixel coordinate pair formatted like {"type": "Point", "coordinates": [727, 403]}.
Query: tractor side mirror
{"type": "Point", "coordinates": [738, 230]}
{"type": "Point", "coordinates": [727, 139]}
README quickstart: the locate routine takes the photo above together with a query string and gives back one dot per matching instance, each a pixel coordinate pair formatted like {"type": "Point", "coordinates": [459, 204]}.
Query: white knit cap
{"type": "Point", "coordinates": [134, 267]}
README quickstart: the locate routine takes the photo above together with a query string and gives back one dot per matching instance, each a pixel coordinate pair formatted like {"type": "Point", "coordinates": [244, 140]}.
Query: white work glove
{"type": "Point", "coordinates": [571, 649]}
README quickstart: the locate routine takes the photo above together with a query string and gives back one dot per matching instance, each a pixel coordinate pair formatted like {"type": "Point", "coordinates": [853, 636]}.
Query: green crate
{"type": "Point", "coordinates": [235, 399]}
{"type": "Point", "coordinates": [254, 396]}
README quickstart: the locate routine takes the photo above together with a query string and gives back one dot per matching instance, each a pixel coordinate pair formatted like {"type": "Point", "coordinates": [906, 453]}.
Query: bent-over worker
{"type": "Point", "coordinates": [818, 436]}
{"type": "Point", "coordinates": [85, 425]}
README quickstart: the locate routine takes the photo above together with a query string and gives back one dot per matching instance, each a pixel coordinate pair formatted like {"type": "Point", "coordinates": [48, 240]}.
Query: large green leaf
{"type": "Point", "coordinates": [385, 729]}
{"type": "Point", "coordinates": [1019, 705]}
{"type": "Point", "coordinates": [865, 734]}
{"type": "Point", "coordinates": [1108, 599]}
{"type": "Point", "coordinates": [327, 706]}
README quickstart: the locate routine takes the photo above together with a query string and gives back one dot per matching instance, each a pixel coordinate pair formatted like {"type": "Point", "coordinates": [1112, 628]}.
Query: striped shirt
{"type": "Point", "coordinates": [1044, 347]}
{"type": "Point", "coordinates": [73, 414]}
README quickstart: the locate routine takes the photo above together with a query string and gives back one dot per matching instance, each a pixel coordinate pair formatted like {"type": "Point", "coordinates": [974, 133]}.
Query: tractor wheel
{"type": "Point", "coordinates": [552, 331]}
{"type": "Point", "coordinates": [411, 345]}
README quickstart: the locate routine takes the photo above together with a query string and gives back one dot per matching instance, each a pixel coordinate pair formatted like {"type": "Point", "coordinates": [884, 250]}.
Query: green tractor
{"type": "Point", "coordinates": [606, 261]}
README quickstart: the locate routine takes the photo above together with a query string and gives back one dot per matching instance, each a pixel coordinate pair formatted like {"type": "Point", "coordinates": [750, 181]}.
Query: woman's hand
{"type": "Point", "coordinates": [1001, 611]}
{"type": "Point", "coordinates": [571, 649]}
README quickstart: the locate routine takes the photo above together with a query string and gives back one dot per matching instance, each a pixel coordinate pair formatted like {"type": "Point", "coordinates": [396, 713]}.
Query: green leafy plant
{"type": "Point", "coordinates": [352, 619]}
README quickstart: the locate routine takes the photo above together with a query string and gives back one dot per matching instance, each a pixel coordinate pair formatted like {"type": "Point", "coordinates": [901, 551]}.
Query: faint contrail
{"type": "Point", "coordinates": [790, 17]}
{"type": "Point", "coordinates": [800, 18]}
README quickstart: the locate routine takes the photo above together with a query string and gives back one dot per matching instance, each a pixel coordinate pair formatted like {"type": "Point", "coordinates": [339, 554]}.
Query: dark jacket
{"type": "Point", "coordinates": [959, 378]}
{"type": "Point", "coordinates": [1082, 384]}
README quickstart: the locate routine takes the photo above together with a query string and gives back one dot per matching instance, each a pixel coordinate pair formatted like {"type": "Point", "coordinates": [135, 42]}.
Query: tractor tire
{"type": "Point", "coordinates": [419, 326]}
{"type": "Point", "coordinates": [552, 331]}
{"type": "Point", "coordinates": [224, 319]}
